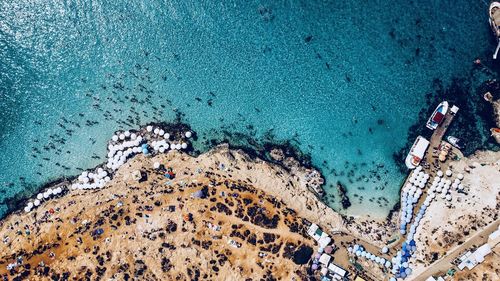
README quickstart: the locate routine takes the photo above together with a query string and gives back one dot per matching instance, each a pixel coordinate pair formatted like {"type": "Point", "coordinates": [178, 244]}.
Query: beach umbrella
{"type": "Point", "coordinates": [162, 149]}
{"type": "Point", "coordinates": [385, 250]}
{"type": "Point", "coordinates": [127, 133]}
{"type": "Point", "coordinates": [166, 136]}
{"type": "Point", "coordinates": [358, 253]}
{"type": "Point", "coordinates": [114, 138]}
{"type": "Point", "coordinates": [440, 173]}
{"type": "Point", "coordinates": [149, 128]}
{"type": "Point", "coordinates": [457, 181]}
{"type": "Point", "coordinates": [388, 264]}
{"type": "Point", "coordinates": [460, 176]}
{"type": "Point", "coordinates": [156, 165]}
{"type": "Point", "coordinates": [328, 249]}
{"type": "Point", "coordinates": [188, 134]}
{"type": "Point", "coordinates": [355, 248]}
{"type": "Point", "coordinates": [36, 202]}
{"type": "Point", "coordinates": [448, 197]}
{"type": "Point", "coordinates": [349, 249]}
{"type": "Point", "coordinates": [448, 172]}
{"type": "Point", "coordinates": [161, 132]}
{"type": "Point", "coordinates": [201, 194]}
{"type": "Point", "coordinates": [133, 136]}
{"type": "Point", "coordinates": [314, 266]}
{"type": "Point", "coordinates": [156, 131]}
{"type": "Point", "coordinates": [27, 209]}
{"type": "Point", "coordinates": [184, 145]}
{"type": "Point", "coordinates": [139, 139]}
{"type": "Point", "coordinates": [122, 136]}
{"type": "Point", "coordinates": [408, 271]}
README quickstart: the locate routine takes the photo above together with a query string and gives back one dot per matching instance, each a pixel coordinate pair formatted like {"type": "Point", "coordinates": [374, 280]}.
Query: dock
{"type": "Point", "coordinates": [435, 142]}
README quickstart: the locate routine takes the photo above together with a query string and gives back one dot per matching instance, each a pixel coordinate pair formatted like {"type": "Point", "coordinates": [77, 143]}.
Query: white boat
{"type": "Point", "coordinates": [454, 141]}
{"type": "Point", "coordinates": [437, 116]}
{"type": "Point", "coordinates": [494, 18]}
{"type": "Point", "coordinates": [417, 152]}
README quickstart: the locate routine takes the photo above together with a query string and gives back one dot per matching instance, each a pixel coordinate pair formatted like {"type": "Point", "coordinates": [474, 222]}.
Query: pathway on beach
{"type": "Point", "coordinates": [443, 264]}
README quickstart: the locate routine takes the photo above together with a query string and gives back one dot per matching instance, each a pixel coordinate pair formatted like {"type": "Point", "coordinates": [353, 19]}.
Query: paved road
{"type": "Point", "coordinates": [443, 264]}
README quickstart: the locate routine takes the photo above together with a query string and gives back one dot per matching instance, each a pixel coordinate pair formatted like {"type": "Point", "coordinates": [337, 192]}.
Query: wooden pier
{"type": "Point", "coordinates": [436, 139]}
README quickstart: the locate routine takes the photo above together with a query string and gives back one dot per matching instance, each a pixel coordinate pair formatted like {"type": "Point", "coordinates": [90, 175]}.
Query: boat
{"type": "Point", "coordinates": [417, 152]}
{"type": "Point", "coordinates": [494, 18]}
{"type": "Point", "coordinates": [456, 142]}
{"type": "Point", "coordinates": [437, 116]}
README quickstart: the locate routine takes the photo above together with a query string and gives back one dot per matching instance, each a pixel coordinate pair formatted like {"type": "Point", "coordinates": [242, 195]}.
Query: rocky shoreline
{"type": "Point", "coordinates": [225, 188]}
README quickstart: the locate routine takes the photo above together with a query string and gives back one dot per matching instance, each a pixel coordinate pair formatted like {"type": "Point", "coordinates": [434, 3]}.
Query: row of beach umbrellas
{"type": "Point", "coordinates": [122, 146]}
{"type": "Point", "coordinates": [360, 252]}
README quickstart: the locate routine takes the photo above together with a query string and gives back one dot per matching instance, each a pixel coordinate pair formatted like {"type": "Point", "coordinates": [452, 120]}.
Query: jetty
{"type": "Point", "coordinates": [439, 132]}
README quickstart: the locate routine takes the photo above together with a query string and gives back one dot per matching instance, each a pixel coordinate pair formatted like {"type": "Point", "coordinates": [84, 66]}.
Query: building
{"type": "Point", "coordinates": [494, 238]}
{"type": "Point", "coordinates": [434, 279]}
{"type": "Point", "coordinates": [470, 260]}
{"type": "Point", "coordinates": [337, 270]}
{"type": "Point", "coordinates": [324, 240]}
{"type": "Point", "coordinates": [315, 232]}
{"type": "Point", "coordinates": [325, 259]}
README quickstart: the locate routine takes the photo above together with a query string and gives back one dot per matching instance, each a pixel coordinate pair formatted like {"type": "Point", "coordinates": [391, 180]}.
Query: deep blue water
{"type": "Point", "coordinates": [345, 79]}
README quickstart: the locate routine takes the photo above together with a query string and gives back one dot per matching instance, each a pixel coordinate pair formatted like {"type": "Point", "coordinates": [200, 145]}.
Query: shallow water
{"type": "Point", "coordinates": [344, 80]}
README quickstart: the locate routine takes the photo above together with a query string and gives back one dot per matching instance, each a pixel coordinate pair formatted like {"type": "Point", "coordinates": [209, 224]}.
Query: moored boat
{"type": "Point", "coordinates": [456, 142]}
{"type": "Point", "coordinates": [494, 18]}
{"type": "Point", "coordinates": [417, 152]}
{"type": "Point", "coordinates": [437, 116]}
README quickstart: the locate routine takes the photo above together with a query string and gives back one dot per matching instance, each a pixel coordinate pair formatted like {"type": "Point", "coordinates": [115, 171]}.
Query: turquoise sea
{"type": "Point", "coordinates": [344, 80]}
